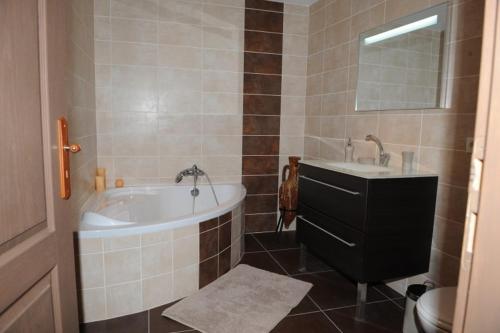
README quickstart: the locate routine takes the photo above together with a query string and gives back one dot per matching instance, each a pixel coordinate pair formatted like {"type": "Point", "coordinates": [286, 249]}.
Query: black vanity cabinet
{"type": "Point", "coordinates": [370, 229]}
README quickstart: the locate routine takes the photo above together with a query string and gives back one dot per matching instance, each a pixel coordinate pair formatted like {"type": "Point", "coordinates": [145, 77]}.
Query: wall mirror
{"type": "Point", "coordinates": [403, 64]}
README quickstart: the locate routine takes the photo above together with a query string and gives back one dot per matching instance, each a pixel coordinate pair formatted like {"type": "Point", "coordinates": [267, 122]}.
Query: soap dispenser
{"type": "Point", "coordinates": [349, 151]}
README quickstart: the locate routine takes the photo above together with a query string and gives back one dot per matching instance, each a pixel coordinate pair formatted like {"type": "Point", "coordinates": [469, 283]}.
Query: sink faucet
{"type": "Point", "coordinates": [383, 156]}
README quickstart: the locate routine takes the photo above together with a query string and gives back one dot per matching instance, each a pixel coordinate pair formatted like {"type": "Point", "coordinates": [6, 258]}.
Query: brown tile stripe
{"type": "Point", "coordinates": [261, 105]}
{"type": "Point", "coordinates": [263, 63]}
{"type": "Point", "coordinates": [265, 5]}
{"type": "Point", "coordinates": [260, 20]}
{"type": "Point", "coordinates": [258, 41]}
{"type": "Point", "coordinates": [215, 248]}
{"type": "Point", "coordinates": [261, 109]}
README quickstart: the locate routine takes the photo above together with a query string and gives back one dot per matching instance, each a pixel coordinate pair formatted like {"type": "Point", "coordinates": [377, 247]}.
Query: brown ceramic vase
{"type": "Point", "coordinates": [289, 190]}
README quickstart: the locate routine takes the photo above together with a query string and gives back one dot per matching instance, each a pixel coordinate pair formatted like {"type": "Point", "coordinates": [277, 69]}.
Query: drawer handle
{"type": "Point", "coordinates": [329, 185]}
{"type": "Point", "coordinates": [327, 232]}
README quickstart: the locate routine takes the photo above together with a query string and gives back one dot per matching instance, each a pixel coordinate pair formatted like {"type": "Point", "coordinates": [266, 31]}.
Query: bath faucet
{"type": "Point", "coordinates": [192, 171]}
{"type": "Point", "coordinates": [383, 156]}
{"type": "Point", "coordinates": [196, 172]}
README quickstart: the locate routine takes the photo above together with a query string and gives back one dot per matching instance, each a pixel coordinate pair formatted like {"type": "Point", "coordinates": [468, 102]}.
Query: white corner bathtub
{"type": "Point", "coordinates": [142, 247]}
{"type": "Point", "coordinates": [142, 209]}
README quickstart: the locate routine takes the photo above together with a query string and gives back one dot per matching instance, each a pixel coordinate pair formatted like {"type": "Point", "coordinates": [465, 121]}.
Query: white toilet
{"type": "Point", "coordinates": [435, 310]}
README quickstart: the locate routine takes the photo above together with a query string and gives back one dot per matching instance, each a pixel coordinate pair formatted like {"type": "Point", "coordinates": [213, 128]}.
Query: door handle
{"type": "Point", "coordinates": [64, 148]}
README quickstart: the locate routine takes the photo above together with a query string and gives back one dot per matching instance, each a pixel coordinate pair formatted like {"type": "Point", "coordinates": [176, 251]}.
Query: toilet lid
{"type": "Point", "coordinates": [437, 306]}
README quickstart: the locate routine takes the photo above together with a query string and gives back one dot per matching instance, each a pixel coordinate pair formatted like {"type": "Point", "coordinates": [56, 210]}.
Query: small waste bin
{"type": "Point", "coordinates": [413, 293]}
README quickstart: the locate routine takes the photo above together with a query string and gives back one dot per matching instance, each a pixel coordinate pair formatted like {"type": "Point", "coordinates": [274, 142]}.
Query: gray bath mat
{"type": "Point", "coordinates": [244, 300]}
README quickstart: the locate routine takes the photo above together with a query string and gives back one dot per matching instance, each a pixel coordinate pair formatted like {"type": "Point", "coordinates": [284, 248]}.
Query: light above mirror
{"type": "Point", "coordinates": [402, 64]}
{"type": "Point", "coordinates": [404, 29]}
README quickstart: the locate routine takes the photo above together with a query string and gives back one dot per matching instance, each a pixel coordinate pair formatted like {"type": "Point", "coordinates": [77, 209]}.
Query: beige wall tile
{"type": "Point", "coordinates": [404, 130]}
{"type": "Point", "coordinates": [358, 127]}
{"type": "Point", "coordinates": [134, 54]}
{"type": "Point", "coordinates": [122, 266]}
{"type": "Point", "coordinates": [94, 304]}
{"type": "Point", "coordinates": [156, 237]}
{"type": "Point", "coordinates": [91, 270]}
{"type": "Point", "coordinates": [179, 57]}
{"type": "Point", "coordinates": [185, 281]}
{"type": "Point", "coordinates": [89, 245]}
{"type": "Point", "coordinates": [182, 11]}
{"type": "Point", "coordinates": [186, 251]}
{"type": "Point", "coordinates": [222, 103]}
{"type": "Point", "coordinates": [298, 24]}
{"type": "Point", "coordinates": [222, 38]}
{"type": "Point", "coordinates": [447, 131]}
{"type": "Point", "coordinates": [139, 9]}
{"type": "Point", "coordinates": [157, 291]}
{"type": "Point", "coordinates": [223, 60]}
{"type": "Point", "coordinates": [124, 30]}
{"type": "Point", "coordinates": [123, 299]}
{"type": "Point", "coordinates": [120, 243]}
{"type": "Point", "coordinates": [226, 17]}
{"type": "Point", "coordinates": [156, 259]}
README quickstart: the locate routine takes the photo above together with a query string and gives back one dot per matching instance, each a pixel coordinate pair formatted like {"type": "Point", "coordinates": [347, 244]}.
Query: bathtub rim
{"type": "Point", "coordinates": [137, 229]}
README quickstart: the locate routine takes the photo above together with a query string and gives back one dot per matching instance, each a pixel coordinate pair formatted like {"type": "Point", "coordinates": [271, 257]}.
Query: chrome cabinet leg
{"type": "Point", "coordinates": [361, 301]}
{"type": "Point", "coordinates": [303, 258]}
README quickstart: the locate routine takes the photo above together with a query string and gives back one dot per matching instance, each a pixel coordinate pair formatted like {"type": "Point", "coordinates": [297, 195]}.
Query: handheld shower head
{"type": "Point", "coordinates": [178, 178]}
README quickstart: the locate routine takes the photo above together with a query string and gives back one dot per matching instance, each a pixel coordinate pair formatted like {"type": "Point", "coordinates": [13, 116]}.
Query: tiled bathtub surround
{"type": "Point", "coordinates": [274, 82]}
{"type": "Point", "coordinates": [81, 103]}
{"type": "Point", "coordinates": [437, 136]}
{"type": "Point", "coordinates": [124, 275]}
{"type": "Point", "coordinates": [169, 87]}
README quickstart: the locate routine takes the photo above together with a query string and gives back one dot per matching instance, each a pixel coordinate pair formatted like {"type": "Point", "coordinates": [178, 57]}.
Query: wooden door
{"type": "Point", "coordinates": [37, 276]}
{"type": "Point", "coordinates": [478, 297]}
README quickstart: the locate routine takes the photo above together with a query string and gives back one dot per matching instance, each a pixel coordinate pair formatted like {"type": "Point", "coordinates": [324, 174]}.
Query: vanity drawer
{"type": "Point", "coordinates": [338, 245]}
{"type": "Point", "coordinates": [342, 197]}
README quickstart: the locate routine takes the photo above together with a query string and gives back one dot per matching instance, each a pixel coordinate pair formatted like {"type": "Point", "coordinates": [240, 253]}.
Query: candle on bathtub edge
{"type": "Point", "coordinates": [119, 183]}
{"type": "Point", "coordinates": [101, 172]}
{"type": "Point", "coordinates": [100, 184]}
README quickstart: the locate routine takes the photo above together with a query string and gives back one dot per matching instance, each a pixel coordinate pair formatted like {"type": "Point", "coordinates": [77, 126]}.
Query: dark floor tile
{"type": "Point", "coordinates": [305, 306]}
{"type": "Point", "coordinates": [263, 261]}
{"type": "Point", "coordinates": [271, 241]}
{"type": "Point", "coordinates": [310, 323]}
{"type": "Point", "coordinates": [381, 317]}
{"type": "Point", "coordinates": [388, 291]}
{"type": "Point", "coordinates": [135, 323]}
{"type": "Point", "coordinates": [332, 290]}
{"type": "Point", "coordinates": [161, 324]}
{"type": "Point", "coordinates": [290, 261]}
{"type": "Point", "coordinates": [251, 245]}
{"type": "Point", "coordinates": [401, 302]}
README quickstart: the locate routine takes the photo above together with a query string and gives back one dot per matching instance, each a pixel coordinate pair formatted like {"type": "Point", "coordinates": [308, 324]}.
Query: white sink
{"type": "Point", "coordinates": [358, 167]}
